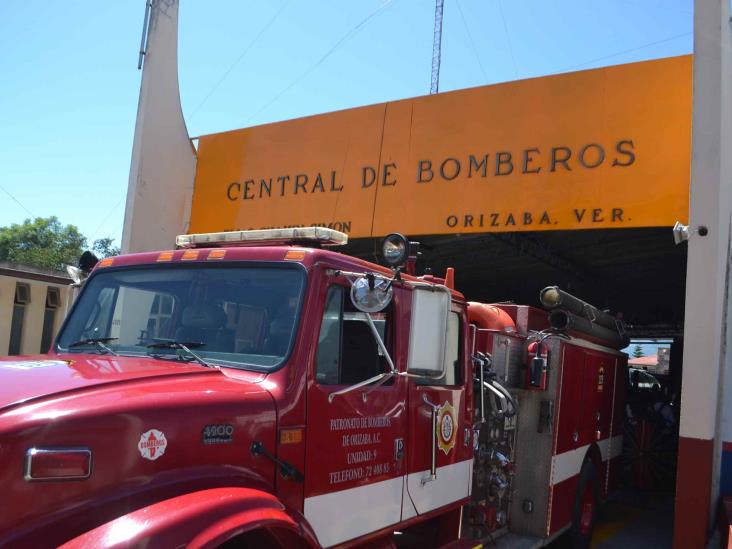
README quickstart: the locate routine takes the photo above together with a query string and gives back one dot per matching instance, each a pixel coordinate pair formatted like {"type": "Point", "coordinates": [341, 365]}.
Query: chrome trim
{"type": "Point", "coordinates": [434, 409]}
{"type": "Point", "coordinates": [34, 451]}
{"type": "Point", "coordinates": [579, 342]}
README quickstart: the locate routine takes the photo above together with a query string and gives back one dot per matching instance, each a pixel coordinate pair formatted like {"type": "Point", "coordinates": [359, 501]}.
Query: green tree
{"type": "Point", "coordinates": [638, 351]}
{"type": "Point", "coordinates": [104, 247]}
{"type": "Point", "coordinates": [45, 242]}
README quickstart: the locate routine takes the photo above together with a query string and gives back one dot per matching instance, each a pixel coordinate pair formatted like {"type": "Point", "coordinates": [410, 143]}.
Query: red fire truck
{"type": "Point", "coordinates": [257, 389]}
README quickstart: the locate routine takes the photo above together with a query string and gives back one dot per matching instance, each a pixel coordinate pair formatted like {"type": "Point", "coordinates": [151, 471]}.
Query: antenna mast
{"type": "Point", "coordinates": [436, 47]}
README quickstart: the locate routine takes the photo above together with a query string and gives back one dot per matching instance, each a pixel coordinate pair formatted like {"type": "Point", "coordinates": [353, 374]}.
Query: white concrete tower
{"type": "Point", "coordinates": [163, 159]}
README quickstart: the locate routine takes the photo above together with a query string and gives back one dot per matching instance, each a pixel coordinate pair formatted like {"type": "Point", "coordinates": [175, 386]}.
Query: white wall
{"type": "Point", "coordinates": [706, 336]}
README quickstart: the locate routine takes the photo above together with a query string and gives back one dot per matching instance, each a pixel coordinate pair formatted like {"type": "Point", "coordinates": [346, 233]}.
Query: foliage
{"type": "Point", "coordinates": [638, 351]}
{"type": "Point", "coordinates": [104, 247]}
{"type": "Point", "coordinates": [44, 242]}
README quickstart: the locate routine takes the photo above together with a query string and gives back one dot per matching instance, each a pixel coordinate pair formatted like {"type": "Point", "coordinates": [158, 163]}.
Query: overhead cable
{"type": "Point", "coordinates": [472, 42]}
{"type": "Point", "coordinates": [508, 37]}
{"type": "Point", "coordinates": [327, 54]}
{"type": "Point", "coordinates": [648, 45]}
{"type": "Point", "coordinates": [17, 202]}
{"type": "Point", "coordinates": [112, 210]}
{"type": "Point", "coordinates": [251, 44]}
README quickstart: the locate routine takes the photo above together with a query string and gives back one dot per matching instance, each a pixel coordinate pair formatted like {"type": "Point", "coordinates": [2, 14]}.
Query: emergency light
{"type": "Point", "coordinates": [297, 235]}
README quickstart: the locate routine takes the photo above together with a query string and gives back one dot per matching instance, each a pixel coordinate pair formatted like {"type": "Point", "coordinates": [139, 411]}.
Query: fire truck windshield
{"type": "Point", "coordinates": [234, 315]}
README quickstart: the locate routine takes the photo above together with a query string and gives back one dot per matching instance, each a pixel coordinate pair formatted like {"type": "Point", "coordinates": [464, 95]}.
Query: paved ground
{"type": "Point", "coordinates": [632, 519]}
{"type": "Point", "coordinates": [635, 519]}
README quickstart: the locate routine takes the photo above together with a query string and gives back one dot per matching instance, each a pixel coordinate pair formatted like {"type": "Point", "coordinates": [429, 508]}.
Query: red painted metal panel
{"type": "Point", "coordinates": [570, 398]}
{"type": "Point", "coordinates": [591, 399]}
{"type": "Point", "coordinates": [419, 450]}
{"type": "Point", "coordinates": [196, 520]}
{"type": "Point", "coordinates": [351, 440]}
{"type": "Point", "coordinates": [562, 503]}
{"type": "Point", "coordinates": [111, 419]}
{"type": "Point", "coordinates": [693, 492]}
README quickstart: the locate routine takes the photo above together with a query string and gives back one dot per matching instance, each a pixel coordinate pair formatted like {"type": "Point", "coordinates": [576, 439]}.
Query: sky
{"type": "Point", "coordinates": [70, 85]}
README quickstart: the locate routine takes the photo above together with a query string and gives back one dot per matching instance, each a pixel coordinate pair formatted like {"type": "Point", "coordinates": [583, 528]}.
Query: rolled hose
{"type": "Point", "coordinates": [567, 321]}
{"type": "Point", "coordinates": [552, 297]}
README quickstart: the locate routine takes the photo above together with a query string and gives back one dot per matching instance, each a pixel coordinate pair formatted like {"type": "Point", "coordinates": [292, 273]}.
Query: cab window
{"type": "Point", "coordinates": [238, 315]}
{"type": "Point", "coordinates": [347, 349]}
{"type": "Point", "coordinates": [453, 356]}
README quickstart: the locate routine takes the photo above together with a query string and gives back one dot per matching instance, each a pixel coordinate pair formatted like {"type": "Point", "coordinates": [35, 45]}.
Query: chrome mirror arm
{"type": "Point", "coordinates": [358, 385]}
{"type": "Point", "coordinates": [380, 343]}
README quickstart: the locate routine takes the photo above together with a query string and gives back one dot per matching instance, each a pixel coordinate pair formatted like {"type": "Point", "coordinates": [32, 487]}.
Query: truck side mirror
{"type": "Point", "coordinates": [370, 294]}
{"type": "Point", "coordinates": [87, 262]}
{"type": "Point", "coordinates": [428, 331]}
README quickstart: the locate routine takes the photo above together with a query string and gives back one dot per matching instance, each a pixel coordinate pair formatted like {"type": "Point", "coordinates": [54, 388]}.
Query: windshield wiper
{"type": "Point", "coordinates": [98, 341]}
{"type": "Point", "coordinates": [182, 345]}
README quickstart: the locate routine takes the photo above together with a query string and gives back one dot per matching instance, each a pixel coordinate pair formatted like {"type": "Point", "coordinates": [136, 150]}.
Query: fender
{"type": "Point", "coordinates": [202, 519]}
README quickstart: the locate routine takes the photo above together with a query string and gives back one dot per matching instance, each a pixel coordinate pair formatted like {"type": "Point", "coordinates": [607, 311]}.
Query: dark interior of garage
{"type": "Point", "coordinates": [639, 273]}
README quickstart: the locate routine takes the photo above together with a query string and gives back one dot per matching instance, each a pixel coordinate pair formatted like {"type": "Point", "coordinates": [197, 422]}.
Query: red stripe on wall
{"type": "Point", "coordinates": [693, 492]}
{"type": "Point", "coordinates": [727, 446]}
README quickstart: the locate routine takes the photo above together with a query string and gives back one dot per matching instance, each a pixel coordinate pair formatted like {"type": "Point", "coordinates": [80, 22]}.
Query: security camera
{"type": "Point", "coordinates": [681, 233]}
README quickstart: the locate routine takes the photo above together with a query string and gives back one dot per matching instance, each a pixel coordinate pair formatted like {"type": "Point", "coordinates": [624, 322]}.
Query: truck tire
{"type": "Point", "coordinates": [585, 507]}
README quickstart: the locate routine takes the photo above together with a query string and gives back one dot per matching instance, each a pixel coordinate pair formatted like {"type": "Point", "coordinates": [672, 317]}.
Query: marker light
{"type": "Point", "coordinates": [290, 436]}
{"type": "Point", "coordinates": [216, 254]}
{"type": "Point", "coordinates": [295, 255]}
{"type": "Point", "coordinates": [58, 463]}
{"type": "Point", "coordinates": [319, 235]}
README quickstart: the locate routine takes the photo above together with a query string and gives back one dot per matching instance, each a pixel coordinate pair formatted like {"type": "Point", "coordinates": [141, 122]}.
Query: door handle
{"type": "Point", "coordinates": [433, 468]}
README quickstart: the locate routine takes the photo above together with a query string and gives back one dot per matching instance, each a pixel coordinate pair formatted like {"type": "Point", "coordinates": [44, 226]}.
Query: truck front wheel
{"type": "Point", "coordinates": [585, 507]}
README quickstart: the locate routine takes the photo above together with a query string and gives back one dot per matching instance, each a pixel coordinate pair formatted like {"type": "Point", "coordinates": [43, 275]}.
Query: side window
{"type": "Point", "coordinates": [347, 349]}
{"type": "Point", "coordinates": [453, 362]}
{"type": "Point", "coordinates": [452, 351]}
{"type": "Point", "coordinates": [329, 341]}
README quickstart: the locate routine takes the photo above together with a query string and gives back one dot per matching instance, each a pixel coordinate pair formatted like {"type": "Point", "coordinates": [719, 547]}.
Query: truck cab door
{"type": "Point", "coordinates": [355, 441]}
{"type": "Point", "coordinates": [447, 436]}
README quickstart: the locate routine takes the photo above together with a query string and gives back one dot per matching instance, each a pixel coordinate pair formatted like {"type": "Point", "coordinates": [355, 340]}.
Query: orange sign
{"type": "Point", "coordinates": [604, 148]}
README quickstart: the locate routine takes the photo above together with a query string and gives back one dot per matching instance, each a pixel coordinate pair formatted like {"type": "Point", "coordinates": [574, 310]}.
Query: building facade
{"type": "Point", "coordinates": [32, 306]}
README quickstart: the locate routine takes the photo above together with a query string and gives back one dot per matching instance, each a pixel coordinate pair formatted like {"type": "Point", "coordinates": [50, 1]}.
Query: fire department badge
{"type": "Point", "coordinates": [152, 444]}
{"type": "Point", "coordinates": [446, 431]}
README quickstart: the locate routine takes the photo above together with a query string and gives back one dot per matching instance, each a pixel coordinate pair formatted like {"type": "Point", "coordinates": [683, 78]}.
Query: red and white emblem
{"type": "Point", "coordinates": [152, 444]}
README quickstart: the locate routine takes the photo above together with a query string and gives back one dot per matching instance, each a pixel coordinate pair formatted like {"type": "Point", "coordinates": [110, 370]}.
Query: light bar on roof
{"type": "Point", "coordinates": [321, 235]}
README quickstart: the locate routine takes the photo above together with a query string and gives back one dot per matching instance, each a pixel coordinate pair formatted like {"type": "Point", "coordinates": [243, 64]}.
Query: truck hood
{"type": "Point", "coordinates": [23, 379]}
{"type": "Point", "coordinates": [201, 421]}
